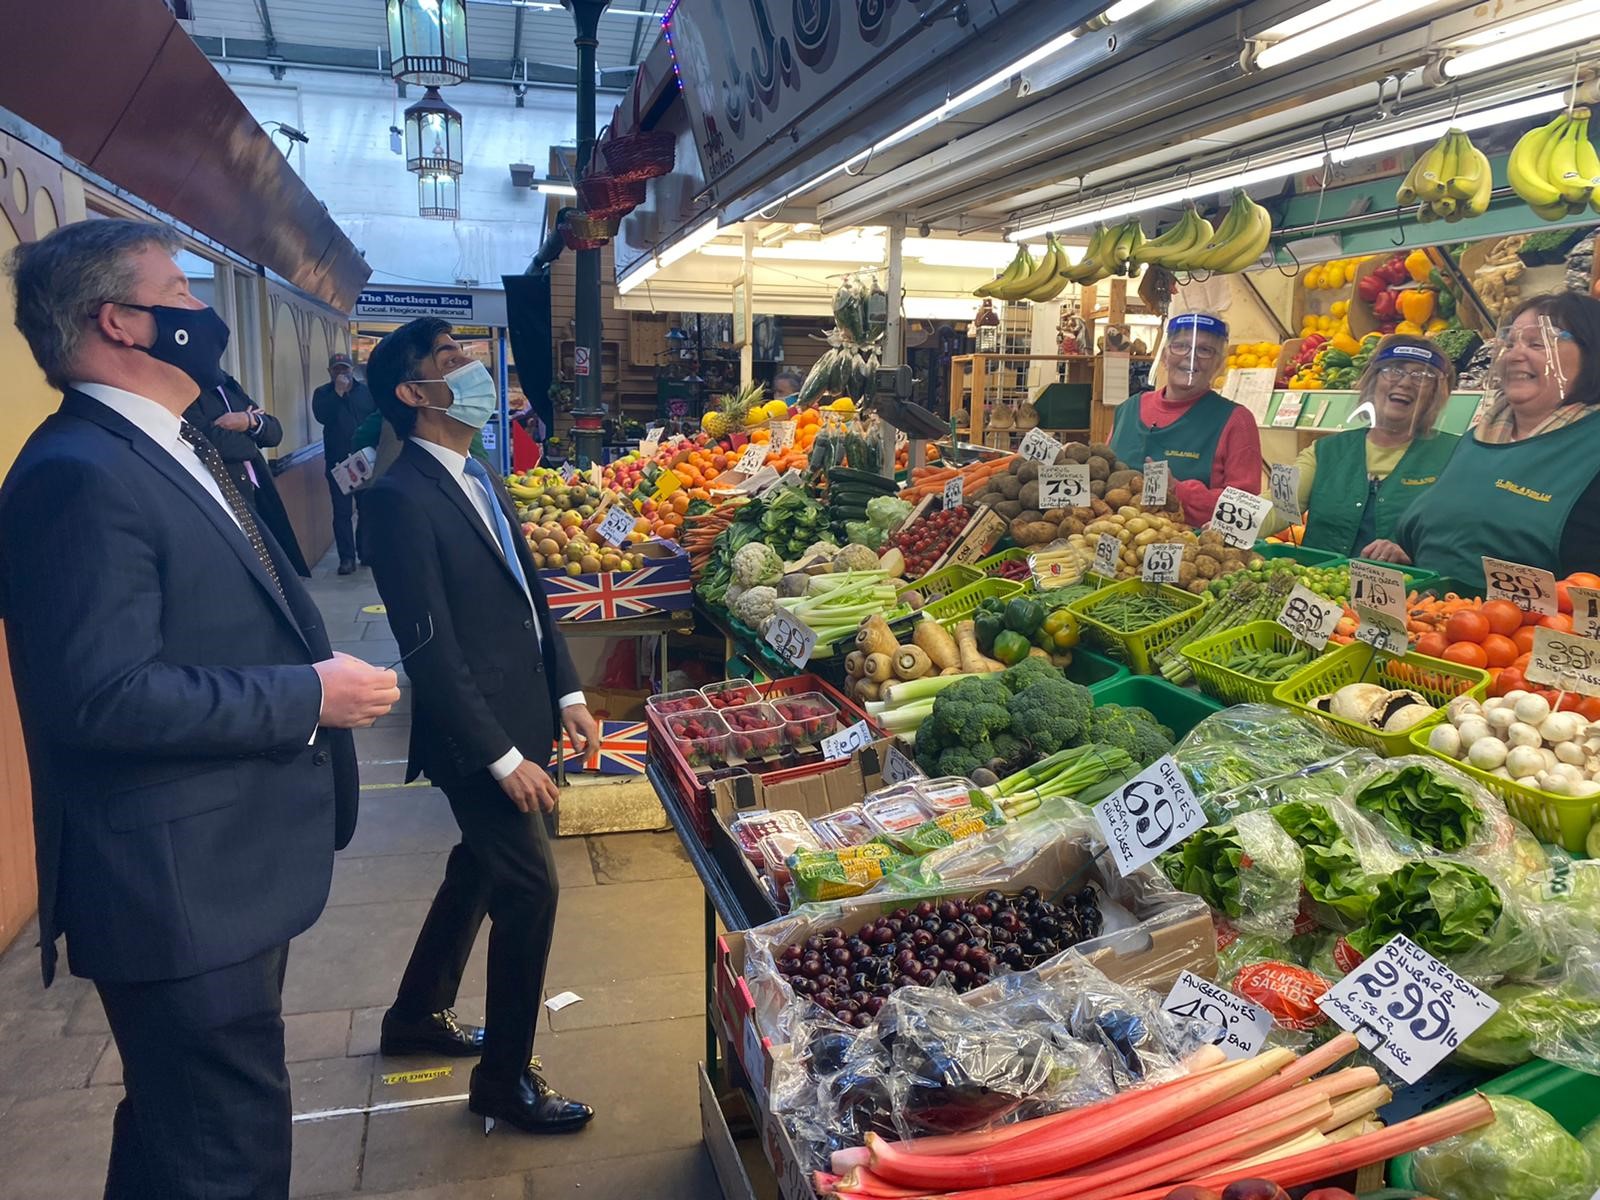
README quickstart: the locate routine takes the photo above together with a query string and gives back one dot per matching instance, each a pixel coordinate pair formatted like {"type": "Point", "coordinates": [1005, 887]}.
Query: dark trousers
{"type": "Point", "coordinates": [206, 1113]}
{"type": "Point", "coordinates": [503, 868]}
{"type": "Point", "coordinates": [352, 542]}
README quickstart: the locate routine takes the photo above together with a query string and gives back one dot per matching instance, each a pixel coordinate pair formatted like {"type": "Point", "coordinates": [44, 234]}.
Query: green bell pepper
{"type": "Point", "coordinates": [1024, 615]}
{"type": "Point", "coordinates": [1011, 647]}
{"type": "Point", "coordinates": [987, 625]}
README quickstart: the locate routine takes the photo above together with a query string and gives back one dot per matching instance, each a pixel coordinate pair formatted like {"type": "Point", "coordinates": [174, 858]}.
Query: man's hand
{"type": "Point", "coordinates": [238, 422]}
{"type": "Point", "coordinates": [354, 693]}
{"type": "Point", "coordinates": [581, 727]}
{"type": "Point", "coordinates": [342, 382]}
{"type": "Point", "coordinates": [530, 788]}
{"type": "Point", "coordinates": [1386, 551]}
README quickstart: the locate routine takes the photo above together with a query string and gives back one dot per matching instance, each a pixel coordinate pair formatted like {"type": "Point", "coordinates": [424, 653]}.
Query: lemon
{"type": "Point", "coordinates": [843, 405]}
{"type": "Point", "coordinates": [777, 410]}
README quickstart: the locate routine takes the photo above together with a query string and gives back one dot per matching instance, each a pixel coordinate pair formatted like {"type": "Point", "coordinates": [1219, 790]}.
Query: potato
{"type": "Point", "coordinates": [1032, 533]}
{"type": "Point", "coordinates": [1125, 479]}
{"type": "Point", "coordinates": [1028, 472]}
{"type": "Point", "coordinates": [1097, 488]}
{"type": "Point", "coordinates": [1030, 514]}
{"type": "Point", "coordinates": [1009, 485]}
{"type": "Point", "coordinates": [1099, 468]}
{"type": "Point", "coordinates": [1118, 496]}
{"type": "Point", "coordinates": [1206, 566]}
{"type": "Point", "coordinates": [1009, 509]}
{"type": "Point", "coordinates": [1075, 452]}
{"type": "Point", "coordinates": [1070, 527]}
{"type": "Point", "coordinates": [1029, 494]}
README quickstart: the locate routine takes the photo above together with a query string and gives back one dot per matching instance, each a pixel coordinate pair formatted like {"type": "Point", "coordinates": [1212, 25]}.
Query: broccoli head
{"type": "Point", "coordinates": [1132, 729]}
{"type": "Point", "coordinates": [965, 716]}
{"type": "Point", "coordinates": [1051, 714]}
{"type": "Point", "coordinates": [1007, 753]}
{"type": "Point", "coordinates": [1030, 670]}
{"type": "Point", "coordinates": [958, 760]}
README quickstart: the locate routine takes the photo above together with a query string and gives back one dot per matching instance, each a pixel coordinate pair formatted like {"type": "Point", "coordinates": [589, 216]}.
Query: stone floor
{"type": "Point", "coordinates": [628, 941]}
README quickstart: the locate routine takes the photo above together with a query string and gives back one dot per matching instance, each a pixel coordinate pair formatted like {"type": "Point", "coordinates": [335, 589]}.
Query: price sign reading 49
{"type": "Point", "coordinates": [1152, 812]}
{"type": "Point", "coordinates": [1309, 618]}
{"type": "Point", "coordinates": [1238, 516]}
{"type": "Point", "coordinates": [1065, 486]}
{"type": "Point", "coordinates": [1242, 1026]}
{"type": "Point", "coordinates": [1531, 589]}
{"type": "Point", "coordinates": [792, 639]}
{"type": "Point", "coordinates": [1407, 1008]}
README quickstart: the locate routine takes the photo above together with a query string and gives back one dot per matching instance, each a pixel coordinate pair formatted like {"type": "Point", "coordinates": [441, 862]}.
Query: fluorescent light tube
{"type": "Point", "coordinates": [1511, 40]}
{"type": "Point", "coordinates": [1124, 9]}
{"type": "Point", "coordinates": [690, 242]}
{"type": "Point", "coordinates": [635, 277]}
{"type": "Point", "coordinates": [1348, 19]}
{"type": "Point", "coordinates": [555, 189]}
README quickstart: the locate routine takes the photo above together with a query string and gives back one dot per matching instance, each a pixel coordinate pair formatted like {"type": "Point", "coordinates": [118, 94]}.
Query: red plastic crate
{"type": "Point", "coordinates": [695, 794]}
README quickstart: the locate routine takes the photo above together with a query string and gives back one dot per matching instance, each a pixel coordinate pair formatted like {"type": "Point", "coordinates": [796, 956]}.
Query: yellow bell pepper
{"type": "Point", "coordinates": [1410, 327]}
{"type": "Point", "coordinates": [1343, 341]}
{"type": "Point", "coordinates": [1415, 305]}
{"type": "Point", "coordinates": [1418, 265]}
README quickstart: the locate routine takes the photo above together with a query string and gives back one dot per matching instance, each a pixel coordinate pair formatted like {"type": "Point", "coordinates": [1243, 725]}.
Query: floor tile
{"type": "Point", "coordinates": [573, 865]}
{"type": "Point", "coordinates": [354, 955]}
{"type": "Point", "coordinates": [505, 1187]}
{"type": "Point", "coordinates": [385, 878]}
{"type": "Point", "coordinates": [88, 1016]}
{"type": "Point", "coordinates": [684, 1173]}
{"type": "Point", "coordinates": [35, 1066]}
{"type": "Point", "coordinates": [327, 1157]}
{"type": "Point", "coordinates": [401, 820]}
{"type": "Point", "coordinates": [328, 1083]}
{"type": "Point", "coordinates": [383, 744]}
{"type": "Point", "coordinates": [638, 857]}
{"type": "Point", "coordinates": [631, 1000]}
{"type": "Point", "coordinates": [313, 1035]}
{"type": "Point", "coordinates": [55, 1147]}
{"type": "Point", "coordinates": [633, 929]}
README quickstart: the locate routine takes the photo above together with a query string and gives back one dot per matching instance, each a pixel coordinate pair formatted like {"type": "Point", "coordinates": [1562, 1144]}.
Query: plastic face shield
{"type": "Point", "coordinates": [1533, 359]}
{"type": "Point", "coordinates": [1196, 344]}
{"type": "Point", "coordinates": [1407, 377]}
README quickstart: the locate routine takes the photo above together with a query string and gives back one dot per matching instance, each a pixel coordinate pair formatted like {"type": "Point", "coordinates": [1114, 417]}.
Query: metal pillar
{"type": "Point", "coordinates": [747, 350]}
{"type": "Point", "coordinates": [588, 412]}
{"type": "Point", "coordinates": [894, 330]}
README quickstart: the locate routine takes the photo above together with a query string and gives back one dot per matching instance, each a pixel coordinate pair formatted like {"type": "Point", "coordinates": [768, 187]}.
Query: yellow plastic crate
{"type": "Point", "coordinates": [963, 602]}
{"type": "Point", "coordinates": [1208, 655]}
{"type": "Point", "coordinates": [945, 581]}
{"type": "Point", "coordinates": [1440, 681]}
{"type": "Point", "coordinates": [1139, 647]}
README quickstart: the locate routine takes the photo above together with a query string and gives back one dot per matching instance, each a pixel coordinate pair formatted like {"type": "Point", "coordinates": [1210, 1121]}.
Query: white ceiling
{"type": "Point", "coordinates": [359, 24]}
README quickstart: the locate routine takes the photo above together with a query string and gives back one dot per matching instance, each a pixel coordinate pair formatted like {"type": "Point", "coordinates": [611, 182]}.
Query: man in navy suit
{"type": "Point", "coordinates": [185, 721]}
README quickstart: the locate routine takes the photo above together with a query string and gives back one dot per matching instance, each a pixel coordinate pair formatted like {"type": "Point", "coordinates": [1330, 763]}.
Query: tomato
{"type": "Point", "coordinates": [1467, 626]}
{"type": "Point", "coordinates": [1503, 616]}
{"type": "Point", "coordinates": [1509, 679]}
{"type": "Point", "coordinates": [1563, 598]}
{"type": "Point", "coordinates": [1583, 579]}
{"type": "Point", "coordinates": [1469, 654]}
{"type": "Point", "coordinates": [1500, 651]}
{"type": "Point", "coordinates": [1522, 660]}
{"type": "Point", "coordinates": [1560, 621]}
{"type": "Point", "coordinates": [1432, 644]}
{"type": "Point", "coordinates": [1524, 639]}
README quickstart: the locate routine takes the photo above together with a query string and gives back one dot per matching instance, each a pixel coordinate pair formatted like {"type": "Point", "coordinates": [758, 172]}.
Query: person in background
{"type": "Point", "coordinates": [341, 405]}
{"type": "Point", "coordinates": [1356, 485]}
{"type": "Point", "coordinates": [187, 727]}
{"type": "Point", "coordinates": [1208, 442]}
{"type": "Point", "coordinates": [240, 430]}
{"type": "Point", "coordinates": [1524, 484]}
{"type": "Point", "coordinates": [490, 673]}
{"type": "Point", "coordinates": [786, 386]}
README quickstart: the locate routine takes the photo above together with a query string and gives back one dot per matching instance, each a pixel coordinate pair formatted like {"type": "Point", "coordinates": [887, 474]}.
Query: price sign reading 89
{"type": "Point", "coordinates": [1531, 589]}
{"type": "Point", "coordinates": [1238, 516]}
{"type": "Point", "coordinates": [1150, 813]}
{"type": "Point", "coordinates": [1565, 661]}
{"type": "Point", "coordinates": [1407, 1007]}
{"type": "Point", "coordinates": [1107, 555]}
{"type": "Point", "coordinates": [792, 639]}
{"type": "Point", "coordinates": [1309, 618]}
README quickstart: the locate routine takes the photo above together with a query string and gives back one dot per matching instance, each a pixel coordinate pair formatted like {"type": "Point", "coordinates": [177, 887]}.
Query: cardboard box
{"type": "Point", "coordinates": [619, 704]}
{"type": "Point", "coordinates": [662, 585]}
{"type": "Point", "coordinates": [983, 531]}
{"type": "Point", "coordinates": [838, 786]}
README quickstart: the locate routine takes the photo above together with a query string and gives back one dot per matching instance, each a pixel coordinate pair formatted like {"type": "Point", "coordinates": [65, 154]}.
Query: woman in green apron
{"type": "Point", "coordinates": [1207, 441]}
{"type": "Point", "coordinates": [1356, 485]}
{"type": "Point", "coordinates": [1524, 485]}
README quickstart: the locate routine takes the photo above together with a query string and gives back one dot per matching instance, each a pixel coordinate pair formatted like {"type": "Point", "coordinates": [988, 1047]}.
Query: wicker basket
{"type": "Point", "coordinates": [606, 197]}
{"type": "Point", "coordinates": [581, 231]}
{"type": "Point", "coordinates": [635, 157]}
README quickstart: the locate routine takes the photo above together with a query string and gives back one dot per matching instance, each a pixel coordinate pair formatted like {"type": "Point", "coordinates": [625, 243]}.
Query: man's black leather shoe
{"type": "Point", "coordinates": [440, 1033]}
{"type": "Point", "coordinates": [347, 567]}
{"type": "Point", "coordinates": [530, 1104]}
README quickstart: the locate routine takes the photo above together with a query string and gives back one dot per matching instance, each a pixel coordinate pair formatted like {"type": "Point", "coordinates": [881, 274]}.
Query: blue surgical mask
{"type": "Point", "coordinates": [473, 395]}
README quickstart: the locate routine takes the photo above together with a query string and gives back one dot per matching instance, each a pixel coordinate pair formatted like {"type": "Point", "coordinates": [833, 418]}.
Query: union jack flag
{"type": "Point", "coordinates": [608, 595]}
{"type": "Point", "coordinates": [622, 750]}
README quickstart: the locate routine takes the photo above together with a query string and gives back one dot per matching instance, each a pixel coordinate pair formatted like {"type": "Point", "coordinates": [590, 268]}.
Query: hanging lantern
{"type": "Point", "coordinates": [439, 195]}
{"type": "Point", "coordinates": [428, 41]}
{"type": "Point", "coordinates": [433, 136]}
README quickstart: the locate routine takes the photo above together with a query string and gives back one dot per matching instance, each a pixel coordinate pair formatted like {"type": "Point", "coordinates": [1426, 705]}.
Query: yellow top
{"type": "Point", "coordinates": [1381, 462]}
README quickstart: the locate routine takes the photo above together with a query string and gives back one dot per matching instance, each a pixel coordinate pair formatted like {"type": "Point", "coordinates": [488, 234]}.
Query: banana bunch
{"type": "Point", "coordinates": [1111, 251]}
{"type": "Point", "coordinates": [1193, 245]}
{"type": "Point", "coordinates": [1174, 247]}
{"type": "Point", "coordinates": [1555, 168]}
{"type": "Point", "coordinates": [1451, 181]}
{"type": "Point", "coordinates": [1022, 265]}
{"type": "Point", "coordinates": [1025, 279]}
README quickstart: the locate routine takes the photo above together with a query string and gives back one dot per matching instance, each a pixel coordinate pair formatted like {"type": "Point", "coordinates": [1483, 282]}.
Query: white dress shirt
{"type": "Point", "coordinates": [455, 465]}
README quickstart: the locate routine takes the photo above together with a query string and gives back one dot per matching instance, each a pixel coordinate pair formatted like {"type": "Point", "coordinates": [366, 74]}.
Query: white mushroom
{"type": "Point", "coordinates": [1487, 753]}
{"type": "Point", "coordinates": [1501, 719]}
{"type": "Point", "coordinates": [1446, 739]}
{"type": "Point", "coordinates": [1532, 708]}
{"type": "Point", "coordinates": [1524, 761]}
{"type": "Point", "coordinates": [1570, 752]}
{"type": "Point", "coordinates": [1473, 730]}
{"type": "Point", "coordinates": [1522, 735]}
{"type": "Point", "coordinates": [1464, 706]}
{"type": "Point", "coordinates": [1561, 727]}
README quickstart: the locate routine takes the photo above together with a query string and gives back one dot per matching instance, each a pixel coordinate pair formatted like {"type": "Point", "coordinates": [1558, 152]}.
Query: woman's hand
{"type": "Point", "coordinates": [1386, 551]}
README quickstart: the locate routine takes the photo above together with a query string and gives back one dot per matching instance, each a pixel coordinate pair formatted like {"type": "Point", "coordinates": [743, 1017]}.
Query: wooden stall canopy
{"type": "Point", "coordinates": [129, 95]}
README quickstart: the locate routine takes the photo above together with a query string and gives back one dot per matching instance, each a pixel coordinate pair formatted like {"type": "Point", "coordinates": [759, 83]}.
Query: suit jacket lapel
{"type": "Point", "coordinates": [84, 406]}
{"type": "Point", "coordinates": [447, 484]}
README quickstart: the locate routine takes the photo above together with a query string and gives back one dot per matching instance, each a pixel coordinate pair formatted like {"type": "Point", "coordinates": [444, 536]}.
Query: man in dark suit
{"type": "Point", "coordinates": [240, 430]}
{"type": "Point", "coordinates": [341, 405]}
{"type": "Point", "coordinates": [489, 673]}
{"type": "Point", "coordinates": [186, 724]}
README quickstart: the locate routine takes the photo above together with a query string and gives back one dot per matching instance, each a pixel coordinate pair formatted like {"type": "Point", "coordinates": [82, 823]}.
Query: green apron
{"type": "Point", "coordinates": [1188, 445]}
{"type": "Point", "coordinates": [1510, 501]}
{"type": "Point", "coordinates": [1347, 509]}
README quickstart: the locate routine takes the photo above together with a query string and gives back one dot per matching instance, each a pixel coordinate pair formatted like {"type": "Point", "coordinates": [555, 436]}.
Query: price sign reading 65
{"type": "Point", "coordinates": [1150, 813]}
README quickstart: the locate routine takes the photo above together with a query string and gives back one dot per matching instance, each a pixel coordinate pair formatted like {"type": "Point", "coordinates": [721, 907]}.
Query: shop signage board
{"type": "Point", "coordinates": [1152, 812]}
{"type": "Point", "coordinates": [1407, 1008]}
{"type": "Point", "coordinates": [398, 302]}
{"type": "Point", "coordinates": [1065, 486]}
{"type": "Point", "coordinates": [580, 360]}
{"type": "Point", "coordinates": [616, 526]}
{"type": "Point", "coordinates": [1253, 390]}
{"type": "Point", "coordinates": [1531, 589]}
{"type": "Point", "coordinates": [782, 435]}
{"type": "Point", "coordinates": [750, 461]}
{"type": "Point", "coordinates": [1242, 1026]}
{"type": "Point", "coordinates": [1565, 661]}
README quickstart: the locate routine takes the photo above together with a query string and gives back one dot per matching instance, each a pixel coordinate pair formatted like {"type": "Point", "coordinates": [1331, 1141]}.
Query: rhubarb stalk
{"type": "Point", "coordinates": [1297, 1071]}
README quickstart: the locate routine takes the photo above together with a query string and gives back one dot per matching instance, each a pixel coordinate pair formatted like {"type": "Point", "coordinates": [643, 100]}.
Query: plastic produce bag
{"type": "Point", "coordinates": [1524, 1155]}
{"type": "Point", "coordinates": [1424, 806]}
{"type": "Point", "coordinates": [1249, 870]}
{"type": "Point", "coordinates": [1345, 857]}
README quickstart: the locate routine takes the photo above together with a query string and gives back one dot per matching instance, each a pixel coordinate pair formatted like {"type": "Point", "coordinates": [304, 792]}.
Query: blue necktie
{"type": "Point", "coordinates": [502, 527]}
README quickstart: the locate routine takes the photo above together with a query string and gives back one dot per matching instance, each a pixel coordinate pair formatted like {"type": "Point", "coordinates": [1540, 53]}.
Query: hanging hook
{"type": "Point", "coordinates": [1288, 248]}
{"type": "Point", "coordinates": [1399, 238]}
{"type": "Point", "coordinates": [1572, 96]}
{"type": "Point", "coordinates": [865, 163]}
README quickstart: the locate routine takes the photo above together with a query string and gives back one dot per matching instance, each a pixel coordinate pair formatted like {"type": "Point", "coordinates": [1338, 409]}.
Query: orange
{"type": "Point", "coordinates": [1501, 651]}
{"type": "Point", "coordinates": [1503, 616]}
{"type": "Point", "coordinates": [1521, 662]}
{"type": "Point", "coordinates": [680, 502]}
{"type": "Point", "coordinates": [1432, 644]}
{"type": "Point", "coordinates": [1563, 598]}
{"type": "Point", "coordinates": [1469, 654]}
{"type": "Point", "coordinates": [1467, 626]}
{"type": "Point", "coordinates": [1556, 621]}
{"type": "Point", "coordinates": [1523, 637]}
{"type": "Point", "coordinates": [1583, 579]}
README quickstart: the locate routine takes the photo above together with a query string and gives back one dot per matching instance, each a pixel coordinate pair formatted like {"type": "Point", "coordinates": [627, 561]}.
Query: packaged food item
{"type": "Point", "coordinates": [847, 827]}
{"type": "Point", "coordinates": [894, 811]}
{"type": "Point", "coordinates": [835, 874]}
{"type": "Point", "coordinates": [811, 716]}
{"type": "Point", "coordinates": [775, 851]}
{"type": "Point", "coordinates": [948, 793]}
{"type": "Point", "coordinates": [730, 693]}
{"type": "Point", "coordinates": [748, 829]}
{"type": "Point", "coordinates": [757, 730]}
{"type": "Point", "coordinates": [667, 703]}
{"type": "Point", "coordinates": [702, 738]}
{"type": "Point", "coordinates": [947, 828]}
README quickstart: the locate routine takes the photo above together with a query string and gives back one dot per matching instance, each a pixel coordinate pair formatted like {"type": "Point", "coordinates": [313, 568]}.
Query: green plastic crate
{"type": "Point", "coordinates": [1440, 681]}
{"type": "Point", "coordinates": [1090, 669]}
{"type": "Point", "coordinates": [935, 585]}
{"type": "Point", "coordinates": [1564, 820]}
{"type": "Point", "coordinates": [964, 601]}
{"type": "Point", "coordinates": [1014, 554]}
{"type": "Point", "coordinates": [1571, 1097]}
{"type": "Point", "coordinates": [1308, 555]}
{"type": "Point", "coordinates": [1208, 657]}
{"type": "Point", "coordinates": [1181, 709]}
{"type": "Point", "coordinates": [1138, 648]}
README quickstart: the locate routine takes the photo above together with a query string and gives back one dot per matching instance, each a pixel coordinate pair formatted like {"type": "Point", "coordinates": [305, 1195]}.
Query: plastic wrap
{"type": "Point", "coordinates": [1524, 1155]}
{"type": "Point", "coordinates": [1345, 857]}
{"type": "Point", "coordinates": [1424, 806]}
{"type": "Point", "coordinates": [1232, 756]}
{"type": "Point", "coordinates": [1249, 870]}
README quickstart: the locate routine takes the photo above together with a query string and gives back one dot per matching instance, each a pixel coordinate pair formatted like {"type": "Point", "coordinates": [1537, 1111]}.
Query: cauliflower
{"type": "Point", "coordinates": [755, 606]}
{"type": "Point", "coordinates": [856, 557]}
{"type": "Point", "coordinates": [756, 564]}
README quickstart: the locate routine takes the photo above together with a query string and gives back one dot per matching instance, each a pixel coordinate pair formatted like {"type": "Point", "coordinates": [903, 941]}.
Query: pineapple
{"type": "Point", "coordinates": [733, 411]}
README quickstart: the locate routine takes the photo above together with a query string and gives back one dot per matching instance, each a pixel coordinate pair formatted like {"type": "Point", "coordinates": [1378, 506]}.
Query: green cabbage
{"type": "Point", "coordinates": [1524, 1155]}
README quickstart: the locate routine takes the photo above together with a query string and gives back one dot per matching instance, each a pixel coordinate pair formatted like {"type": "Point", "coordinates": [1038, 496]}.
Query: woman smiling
{"type": "Point", "coordinates": [1525, 485]}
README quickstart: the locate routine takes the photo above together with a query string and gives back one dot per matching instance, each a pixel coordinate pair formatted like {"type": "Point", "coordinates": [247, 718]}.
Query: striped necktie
{"type": "Point", "coordinates": [212, 461]}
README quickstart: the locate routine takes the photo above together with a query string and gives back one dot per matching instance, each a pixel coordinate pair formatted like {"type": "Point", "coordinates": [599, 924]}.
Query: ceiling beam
{"type": "Point", "coordinates": [266, 28]}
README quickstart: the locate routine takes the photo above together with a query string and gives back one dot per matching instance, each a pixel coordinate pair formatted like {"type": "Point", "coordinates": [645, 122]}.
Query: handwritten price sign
{"type": "Point", "coordinates": [847, 741]}
{"type": "Point", "coordinates": [750, 461]}
{"type": "Point", "coordinates": [1565, 661]}
{"type": "Point", "coordinates": [897, 768]}
{"type": "Point", "coordinates": [1157, 475]}
{"type": "Point", "coordinates": [1286, 489]}
{"type": "Point", "coordinates": [1309, 618]}
{"type": "Point", "coordinates": [1152, 812]}
{"type": "Point", "coordinates": [782, 435]}
{"type": "Point", "coordinates": [1066, 486]}
{"type": "Point", "coordinates": [1039, 446]}
{"type": "Point", "coordinates": [1242, 1026]}
{"type": "Point", "coordinates": [1585, 611]}
{"type": "Point", "coordinates": [954, 494]}
{"type": "Point", "coordinates": [616, 526]}
{"type": "Point", "coordinates": [793, 640]}
{"type": "Point", "coordinates": [1378, 594]}
{"type": "Point", "coordinates": [1238, 516]}
{"type": "Point", "coordinates": [1407, 1008]}
{"type": "Point", "coordinates": [1107, 555]}
{"type": "Point", "coordinates": [1161, 562]}
{"type": "Point", "coordinates": [1531, 589]}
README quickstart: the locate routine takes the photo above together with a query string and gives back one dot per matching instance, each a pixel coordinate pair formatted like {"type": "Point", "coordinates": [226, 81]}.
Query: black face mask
{"type": "Point", "coordinates": [191, 339]}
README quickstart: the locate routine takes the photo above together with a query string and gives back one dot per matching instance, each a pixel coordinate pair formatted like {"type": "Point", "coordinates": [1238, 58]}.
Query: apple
{"type": "Point", "coordinates": [1254, 1189]}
